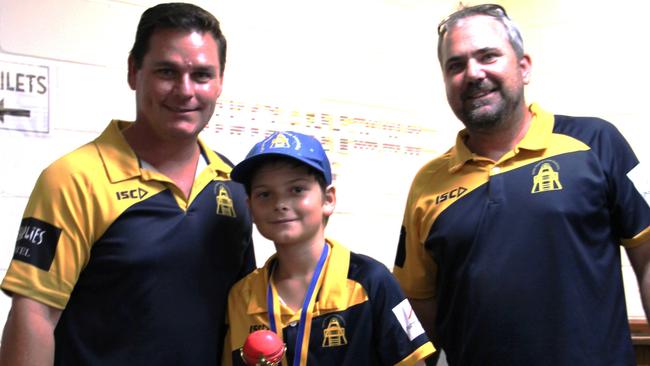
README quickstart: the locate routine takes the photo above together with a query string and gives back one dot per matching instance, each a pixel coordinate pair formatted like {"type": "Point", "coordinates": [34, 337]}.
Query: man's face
{"type": "Point", "coordinates": [483, 77]}
{"type": "Point", "coordinates": [178, 84]}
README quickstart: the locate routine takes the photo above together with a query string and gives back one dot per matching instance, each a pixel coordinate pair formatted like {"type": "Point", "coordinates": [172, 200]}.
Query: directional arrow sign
{"type": "Point", "coordinates": [11, 112]}
{"type": "Point", "coordinates": [24, 96]}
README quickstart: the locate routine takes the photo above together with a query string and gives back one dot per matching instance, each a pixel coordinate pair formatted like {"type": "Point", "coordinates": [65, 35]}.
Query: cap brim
{"type": "Point", "coordinates": [242, 172]}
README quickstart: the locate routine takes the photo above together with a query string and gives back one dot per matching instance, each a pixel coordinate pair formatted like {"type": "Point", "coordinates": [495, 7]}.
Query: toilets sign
{"type": "Point", "coordinates": [24, 97]}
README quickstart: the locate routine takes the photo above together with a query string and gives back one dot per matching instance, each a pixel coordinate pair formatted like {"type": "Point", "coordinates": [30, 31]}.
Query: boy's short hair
{"type": "Point", "coordinates": [285, 146]}
{"type": "Point", "coordinates": [283, 160]}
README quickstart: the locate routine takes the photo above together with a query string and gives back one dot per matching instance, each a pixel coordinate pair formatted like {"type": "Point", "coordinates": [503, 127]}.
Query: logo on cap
{"type": "Point", "coordinates": [282, 141]}
{"type": "Point", "coordinates": [295, 145]}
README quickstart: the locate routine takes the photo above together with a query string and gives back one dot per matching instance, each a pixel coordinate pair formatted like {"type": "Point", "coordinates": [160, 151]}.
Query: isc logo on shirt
{"type": "Point", "coordinates": [131, 194]}
{"type": "Point", "coordinates": [454, 193]}
{"type": "Point", "coordinates": [256, 327]}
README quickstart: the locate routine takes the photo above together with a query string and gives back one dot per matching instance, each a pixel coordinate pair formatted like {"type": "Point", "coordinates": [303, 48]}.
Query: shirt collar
{"type": "Point", "coordinates": [536, 138]}
{"type": "Point", "coordinates": [332, 293]}
{"type": "Point", "coordinates": [121, 163]}
{"type": "Point", "coordinates": [215, 163]}
{"type": "Point", "coordinates": [119, 160]}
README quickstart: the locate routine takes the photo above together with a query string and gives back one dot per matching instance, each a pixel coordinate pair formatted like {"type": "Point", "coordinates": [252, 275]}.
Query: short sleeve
{"type": "Point", "coordinates": [53, 242]}
{"type": "Point", "coordinates": [629, 186]}
{"type": "Point", "coordinates": [414, 267]}
{"type": "Point", "coordinates": [401, 337]}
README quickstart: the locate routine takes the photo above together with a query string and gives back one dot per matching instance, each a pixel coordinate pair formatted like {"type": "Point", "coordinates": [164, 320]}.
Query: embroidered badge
{"type": "Point", "coordinates": [334, 332]}
{"type": "Point", "coordinates": [282, 141]}
{"type": "Point", "coordinates": [545, 177]}
{"type": "Point", "coordinates": [225, 205]}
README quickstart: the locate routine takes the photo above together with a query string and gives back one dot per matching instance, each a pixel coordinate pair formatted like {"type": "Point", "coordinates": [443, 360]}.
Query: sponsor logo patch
{"type": "Point", "coordinates": [640, 177]}
{"type": "Point", "coordinates": [406, 317]}
{"type": "Point", "coordinates": [36, 243]}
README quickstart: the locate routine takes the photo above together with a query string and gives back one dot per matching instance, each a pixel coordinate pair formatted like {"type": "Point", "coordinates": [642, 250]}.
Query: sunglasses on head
{"type": "Point", "coordinates": [494, 10]}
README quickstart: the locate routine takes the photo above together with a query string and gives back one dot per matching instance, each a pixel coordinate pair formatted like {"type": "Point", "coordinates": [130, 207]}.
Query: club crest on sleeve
{"type": "Point", "coordinates": [36, 243]}
{"type": "Point", "coordinates": [334, 331]}
{"type": "Point", "coordinates": [225, 206]}
{"type": "Point", "coordinates": [546, 177]}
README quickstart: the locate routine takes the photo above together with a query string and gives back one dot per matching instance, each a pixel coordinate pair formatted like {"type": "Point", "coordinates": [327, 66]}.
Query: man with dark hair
{"type": "Point", "coordinates": [510, 243]}
{"type": "Point", "coordinates": [129, 244]}
{"type": "Point", "coordinates": [179, 16]}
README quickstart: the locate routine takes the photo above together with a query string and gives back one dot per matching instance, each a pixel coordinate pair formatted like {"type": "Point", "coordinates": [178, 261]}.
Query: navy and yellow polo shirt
{"type": "Point", "coordinates": [360, 316]}
{"type": "Point", "coordinates": [142, 273]}
{"type": "Point", "coordinates": [523, 254]}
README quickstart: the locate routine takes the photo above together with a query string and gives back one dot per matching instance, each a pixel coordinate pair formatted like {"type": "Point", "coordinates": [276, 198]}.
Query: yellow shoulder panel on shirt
{"type": "Point", "coordinates": [81, 193]}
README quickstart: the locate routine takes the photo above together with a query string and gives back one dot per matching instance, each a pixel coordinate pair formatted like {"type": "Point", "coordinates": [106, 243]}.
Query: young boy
{"type": "Point", "coordinates": [329, 306]}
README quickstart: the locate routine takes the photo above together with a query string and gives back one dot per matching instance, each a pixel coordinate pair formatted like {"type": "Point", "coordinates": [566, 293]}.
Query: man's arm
{"type": "Point", "coordinates": [425, 309]}
{"type": "Point", "coordinates": [28, 336]}
{"type": "Point", "coordinates": [640, 259]}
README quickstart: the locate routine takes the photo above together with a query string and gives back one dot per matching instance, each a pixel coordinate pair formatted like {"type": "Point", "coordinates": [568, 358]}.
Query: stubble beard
{"type": "Point", "coordinates": [476, 118]}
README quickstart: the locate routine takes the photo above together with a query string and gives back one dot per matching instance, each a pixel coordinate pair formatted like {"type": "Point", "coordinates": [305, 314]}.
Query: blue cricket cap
{"type": "Point", "coordinates": [295, 145]}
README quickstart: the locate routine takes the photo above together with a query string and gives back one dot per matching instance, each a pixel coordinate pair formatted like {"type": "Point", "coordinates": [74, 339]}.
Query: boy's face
{"type": "Point", "coordinates": [288, 205]}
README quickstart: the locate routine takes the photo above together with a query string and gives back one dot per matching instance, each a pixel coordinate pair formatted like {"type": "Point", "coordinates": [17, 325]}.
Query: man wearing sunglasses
{"type": "Point", "coordinates": [510, 244]}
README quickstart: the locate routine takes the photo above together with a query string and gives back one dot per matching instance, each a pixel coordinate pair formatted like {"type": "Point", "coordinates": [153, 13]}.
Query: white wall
{"type": "Point", "coordinates": [370, 59]}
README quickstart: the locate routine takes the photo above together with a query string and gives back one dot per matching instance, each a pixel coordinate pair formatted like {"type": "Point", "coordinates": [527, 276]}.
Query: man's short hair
{"type": "Point", "coordinates": [492, 10]}
{"type": "Point", "coordinates": [181, 16]}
